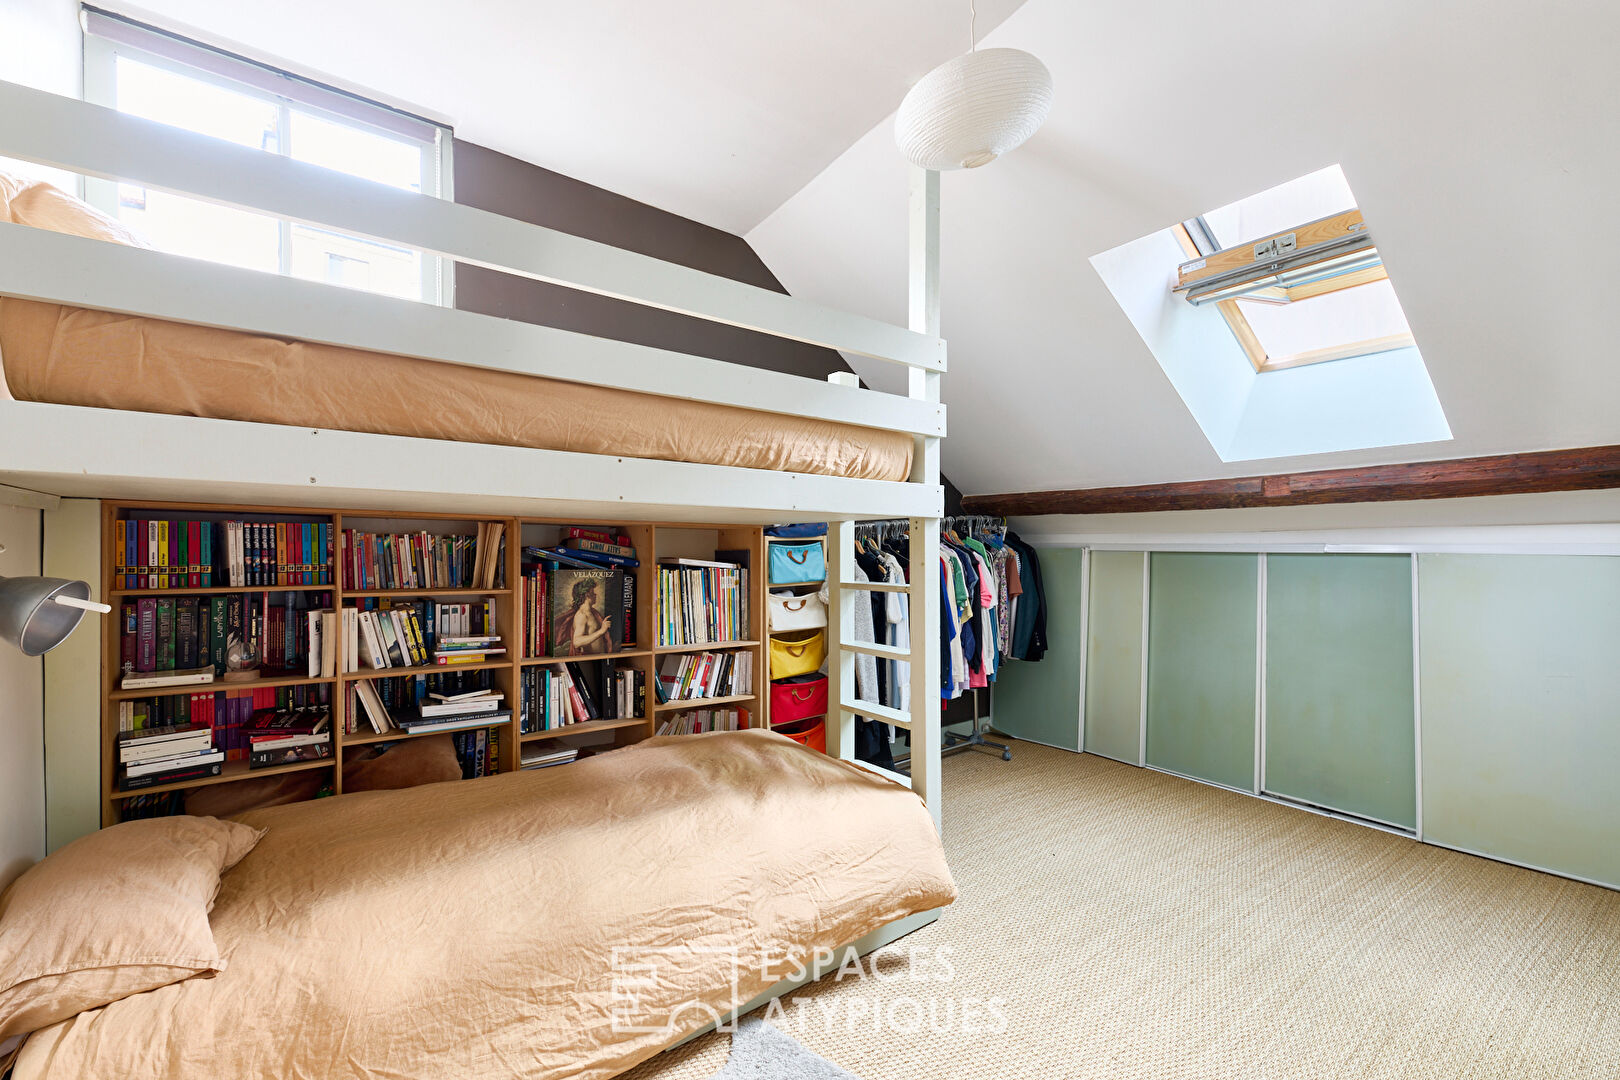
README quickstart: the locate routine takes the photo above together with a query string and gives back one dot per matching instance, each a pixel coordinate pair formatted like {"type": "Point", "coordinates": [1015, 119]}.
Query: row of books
{"type": "Point", "coordinates": [690, 676]}
{"type": "Point", "coordinates": [403, 694]}
{"type": "Point", "coordinates": [544, 756]}
{"type": "Point", "coordinates": [575, 611]}
{"type": "Point", "coordinates": [584, 547]}
{"type": "Point", "coordinates": [554, 697]}
{"type": "Point", "coordinates": [228, 714]}
{"type": "Point", "coordinates": [167, 755]}
{"type": "Point", "coordinates": [179, 752]}
{"type": "Point", "coordinates": [437, 711]}
{"type": "Point", "coordinates": [193, 553]}
{"type": "Point", "coordinates": [184, 633]}
{"type": "Point", "coordinates": [289, 736]}
{"type": "Point", "coordinates": [423, 560]}
{"type": "Point", "coordinates": [397, 636]}
{"type": "Point", "coordinates": [699, 721]}
{"type": "Point", "coordinates": [701, 603]}
{"type": "Point", "coordinates": [479, 753]}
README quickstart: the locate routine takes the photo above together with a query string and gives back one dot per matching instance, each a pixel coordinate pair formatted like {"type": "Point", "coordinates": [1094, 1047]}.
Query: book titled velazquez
{"type": "Point", "coordinates": [587, 612]}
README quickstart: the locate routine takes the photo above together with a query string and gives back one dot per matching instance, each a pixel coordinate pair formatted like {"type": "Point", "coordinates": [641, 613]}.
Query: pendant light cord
{"type": "Point", "coordinates": [973, 18]}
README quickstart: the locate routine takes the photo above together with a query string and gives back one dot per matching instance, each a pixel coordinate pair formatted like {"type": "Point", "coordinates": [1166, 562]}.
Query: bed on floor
{"type": "Point", "coordinates": [513, 926]}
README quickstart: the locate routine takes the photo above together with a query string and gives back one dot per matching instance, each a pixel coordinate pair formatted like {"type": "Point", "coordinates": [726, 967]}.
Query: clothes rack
{"type": "Point", "coordinates": [983, 529]}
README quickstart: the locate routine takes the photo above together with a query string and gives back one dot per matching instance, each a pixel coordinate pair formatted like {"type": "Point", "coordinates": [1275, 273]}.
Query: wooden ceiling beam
{"type": "Point", "coordinates": [1583, 469]}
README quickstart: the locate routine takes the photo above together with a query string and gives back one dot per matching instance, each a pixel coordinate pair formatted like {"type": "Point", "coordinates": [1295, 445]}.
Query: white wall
{"type": "Point", "coordinates": [22, 715]}
{"type": "Point", "coordinates": [40, 46]}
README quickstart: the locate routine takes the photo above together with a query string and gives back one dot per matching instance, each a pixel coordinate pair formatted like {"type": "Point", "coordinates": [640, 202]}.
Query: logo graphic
{"type": "Point", "coordinates": [651, 984]}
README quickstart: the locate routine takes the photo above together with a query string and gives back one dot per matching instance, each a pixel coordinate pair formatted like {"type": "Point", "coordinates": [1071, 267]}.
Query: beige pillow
{"type": "Point", "coordinates": [115, 913]}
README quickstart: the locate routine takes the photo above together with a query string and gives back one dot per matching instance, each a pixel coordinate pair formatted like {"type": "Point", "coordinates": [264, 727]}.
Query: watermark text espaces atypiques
{"type": "Point", "coordinates": [902, 991]}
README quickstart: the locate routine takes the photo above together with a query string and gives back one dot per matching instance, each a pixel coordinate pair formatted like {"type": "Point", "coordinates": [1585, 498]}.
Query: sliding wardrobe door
{"type": "Point", "coordinates": [1520, 658]}
{"type": "Point", "coordinates": [1041, 701]}
{"type": "Point", "coordinates": [1202, 656]}
{"type": "Point", "coordinates": [1339, 708]}
{"type": "Point", "coordinates": [1114, 656]}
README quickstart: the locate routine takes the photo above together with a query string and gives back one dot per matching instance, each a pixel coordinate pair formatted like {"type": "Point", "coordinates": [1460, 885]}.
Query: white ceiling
{"type": "Point", "coordinates": [717, 110]}
{"type": "Point", "coordinates": [1482, 141]}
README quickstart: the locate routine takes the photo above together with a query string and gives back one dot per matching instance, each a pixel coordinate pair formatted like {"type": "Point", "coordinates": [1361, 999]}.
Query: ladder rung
{"type": "Point", "coordinates": [871, 648]}
{"type": "Point", "coordinates": [874, 586]}
{"type": "Point", "coordinates": [874, 711]}
{"type": "Point", "coordinates": [887, 774]}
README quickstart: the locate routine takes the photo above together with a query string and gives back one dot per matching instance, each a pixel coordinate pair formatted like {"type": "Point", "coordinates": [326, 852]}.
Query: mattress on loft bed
{"type": "Point", "coordinates": [76, 356]}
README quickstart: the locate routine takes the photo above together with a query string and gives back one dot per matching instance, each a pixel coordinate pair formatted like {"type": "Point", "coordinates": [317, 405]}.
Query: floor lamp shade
{"type": "Point", "coordinates": [32, 619]}
{"type": "Point", "coordinates": [972, 109]}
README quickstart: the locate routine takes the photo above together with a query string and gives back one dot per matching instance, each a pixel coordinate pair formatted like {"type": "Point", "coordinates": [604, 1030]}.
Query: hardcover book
{"type": "Point", "coordinates": [587, 612]}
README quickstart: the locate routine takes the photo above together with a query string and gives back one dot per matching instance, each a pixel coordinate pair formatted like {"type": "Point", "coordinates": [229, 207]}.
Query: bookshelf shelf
{"type": "Point", "coordinates": [627, 654]}
{"type": "Point", "coordinates": [713, 646]}
{"type": "Point", "coordinates": [506, 673]}
{"type": "Point", "coordinates": [427, 669]}
{"type": "Point", "coordinates": [218, 685]}
{"type": "Point", "coordinates": [219, 590]}
{"type": "Point", "coordinates": [231, 770]}
{"type": "Point", "coordinates": [385, 594]}
{"type": "Point", "coordinates": [369, 737]}
{"type": "Point", "coordinates": [585, 727]}
{"type": "Point", "coordinates": [700, 703]}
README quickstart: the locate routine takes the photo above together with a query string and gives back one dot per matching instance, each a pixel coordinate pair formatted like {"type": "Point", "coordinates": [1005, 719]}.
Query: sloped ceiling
{"type": "Point", "coordinates": [717, 110]}
{"type": "Point", "coordinates": [1482, 141]}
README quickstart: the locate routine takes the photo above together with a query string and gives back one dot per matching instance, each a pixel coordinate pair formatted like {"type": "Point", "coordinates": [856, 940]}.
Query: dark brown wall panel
{"type": "Point", "coordinates": [505, 185]}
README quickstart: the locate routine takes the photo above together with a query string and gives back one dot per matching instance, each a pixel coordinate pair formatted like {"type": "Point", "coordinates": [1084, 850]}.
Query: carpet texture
{"type": "Point", "coordinates": [1142, 926]}
{"type": "Point", "coordinates": [760, 1052]}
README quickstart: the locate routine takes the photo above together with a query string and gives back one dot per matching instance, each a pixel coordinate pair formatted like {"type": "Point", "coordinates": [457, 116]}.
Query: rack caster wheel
{"type": "Point", "coordinates": [1006, 755]}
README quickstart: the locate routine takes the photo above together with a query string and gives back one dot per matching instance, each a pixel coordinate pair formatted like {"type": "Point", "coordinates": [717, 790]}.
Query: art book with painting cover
{"type": "Point", "coordinates": [587, 611]}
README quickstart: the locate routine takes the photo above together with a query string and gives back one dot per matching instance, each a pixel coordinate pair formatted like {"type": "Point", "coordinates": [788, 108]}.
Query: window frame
{"type": "Point", "coordinates": [100, 62]}
{"type": "Point", "coordinates": [1195, 235]}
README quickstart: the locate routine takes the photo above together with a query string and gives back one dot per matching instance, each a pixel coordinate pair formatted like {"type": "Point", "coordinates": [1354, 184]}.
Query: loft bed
{"type": "Point", "coordinates": [850, 453]}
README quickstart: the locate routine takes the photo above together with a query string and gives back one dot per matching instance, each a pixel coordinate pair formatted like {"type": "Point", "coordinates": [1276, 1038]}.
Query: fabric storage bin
{"type": "Point", "coordinates": [798, 698]}
{"type": "Point", "coordinates": [797, 563]}
{"type": "Point", "coordinates": [798, 654]}
{"type": "Point", "coordinates": [798, 532]}
{"type": "Point", "coordinates": [789, 612]}
{"type": "Point", "coordinates": [811, 733]}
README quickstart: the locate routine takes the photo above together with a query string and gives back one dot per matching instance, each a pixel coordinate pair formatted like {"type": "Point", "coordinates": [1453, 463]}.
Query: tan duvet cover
{"type": "Point", "coordinates": [473, 928]}
{"type": "Point", "coordinates": [75, 356]}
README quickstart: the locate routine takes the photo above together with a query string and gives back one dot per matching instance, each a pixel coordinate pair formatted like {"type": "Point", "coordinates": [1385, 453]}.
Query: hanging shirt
{"type": "Point", "coordinates": [899, 612]}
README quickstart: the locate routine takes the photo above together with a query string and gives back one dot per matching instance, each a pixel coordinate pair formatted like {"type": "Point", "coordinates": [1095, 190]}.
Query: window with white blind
{"type": "Point", "coordinates": [151, 73]}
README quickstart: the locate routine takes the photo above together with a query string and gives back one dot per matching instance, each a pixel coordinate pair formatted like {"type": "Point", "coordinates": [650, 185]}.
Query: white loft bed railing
{"type": "Point", "coordinates": [95, 141]}
{"type": "Point", "coordinates": [55, 450]}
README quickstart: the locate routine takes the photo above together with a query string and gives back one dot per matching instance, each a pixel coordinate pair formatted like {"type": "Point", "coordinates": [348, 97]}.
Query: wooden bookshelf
{"type": "Point", "coordinates": [650, 539]}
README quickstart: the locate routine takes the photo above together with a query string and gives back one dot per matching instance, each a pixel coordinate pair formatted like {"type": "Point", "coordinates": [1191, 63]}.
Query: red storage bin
{"type": "Point", "coordinates": [797, 698]}
{"type": "Point", "coordinates": [812, 732]}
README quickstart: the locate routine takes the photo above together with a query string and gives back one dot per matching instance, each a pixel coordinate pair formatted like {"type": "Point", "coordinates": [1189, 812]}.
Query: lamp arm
{"type": "Point", "coordinates": [86, 605]}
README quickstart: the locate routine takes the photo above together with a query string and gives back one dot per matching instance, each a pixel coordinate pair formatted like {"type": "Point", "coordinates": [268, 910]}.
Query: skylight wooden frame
{"type": "Point", "coordinates": [1259, 359]}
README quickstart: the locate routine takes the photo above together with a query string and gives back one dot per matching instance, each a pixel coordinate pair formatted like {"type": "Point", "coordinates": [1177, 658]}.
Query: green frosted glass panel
{"type": "Point", "coordinates": [1339, 683]}
{"type": "Point", "coordinates": [1520, 688]}
{"type": "Point", "coordinates": [1114, 656]}
{"type": "Point", "coordinates": [1202, 615]}
{"type": "Point", "coordinates": [1040, 700]}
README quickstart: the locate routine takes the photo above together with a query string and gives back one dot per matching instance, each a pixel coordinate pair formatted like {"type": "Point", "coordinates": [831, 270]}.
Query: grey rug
{"type": "Point", "coordinates": [760, 1052]}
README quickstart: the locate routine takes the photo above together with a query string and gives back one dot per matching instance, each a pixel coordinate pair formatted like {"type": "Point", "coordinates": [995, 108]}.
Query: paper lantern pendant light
{"type": "Point", "coordinates": [972, 109]}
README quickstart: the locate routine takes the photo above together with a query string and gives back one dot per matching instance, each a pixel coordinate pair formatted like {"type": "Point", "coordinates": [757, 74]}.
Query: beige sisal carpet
{"type": "Point", "coordinates": [1138, 925]}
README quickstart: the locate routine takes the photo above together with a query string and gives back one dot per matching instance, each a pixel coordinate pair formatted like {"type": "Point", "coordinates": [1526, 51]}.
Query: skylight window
{"type": "Point", "coordinates": [1278, 325]}
{"type": "Point", "coordinates": [1295, 275]}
